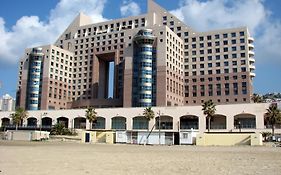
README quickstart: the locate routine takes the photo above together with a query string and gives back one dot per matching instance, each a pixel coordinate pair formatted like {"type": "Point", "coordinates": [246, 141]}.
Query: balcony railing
{"type": "Point", "coordinates": [189, 126]}
{"type": "Point", "coordinates": [245, 126]}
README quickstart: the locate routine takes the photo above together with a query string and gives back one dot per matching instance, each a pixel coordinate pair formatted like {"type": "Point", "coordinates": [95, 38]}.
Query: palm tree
{"type": "Point", "coordinates": [257, 98]}
{"type": "Point", "coordinates": [148, 113]}
{"type": "Point", "coordinates": [19, 116]}
{"type": "Point", "coordinates": [91, 115]}
{"type": "Point", "coordinates": [209, 109]}
{"type": "Point", "coordinates": [273, 116]}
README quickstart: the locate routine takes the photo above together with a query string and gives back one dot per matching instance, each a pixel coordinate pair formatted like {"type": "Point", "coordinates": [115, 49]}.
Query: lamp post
{"type": "Point", "coordinates": [159, 126]}
{"type": "Point", "coordinates": [239, 125]}
{"type": "Point", "coordinates": [40, 126]}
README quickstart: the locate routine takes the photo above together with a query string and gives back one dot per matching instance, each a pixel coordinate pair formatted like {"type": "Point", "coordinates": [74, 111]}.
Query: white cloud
{"type": "Point", "coordinates": [130, 8]}
{"type": "Point", "coordinates": [220, 14]}
{"type": "Point", "coordinates": [31, 31]}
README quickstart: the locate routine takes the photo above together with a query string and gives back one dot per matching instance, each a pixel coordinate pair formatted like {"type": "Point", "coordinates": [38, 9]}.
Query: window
{"type": "Point", "coordinates": [217, 36]}
{"type": "Point", "coordinates": [233, 34]}
{"type": "Point", "coordinates": [218, 57]}
{"type": "Point", "coordinates": [217, 43]}
{"type": "Point", "coordinates": [235, 88]}
{"type": "Point", "coordinates": [242, 33]}
{"type": "Point", "coordinates": [225, 35]}
{"type": "Point", "coordinates": [226, 71]}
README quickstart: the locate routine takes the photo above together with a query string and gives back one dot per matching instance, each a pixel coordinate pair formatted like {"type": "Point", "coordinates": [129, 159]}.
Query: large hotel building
{"type": "Point", "coordinates": [152, 59]}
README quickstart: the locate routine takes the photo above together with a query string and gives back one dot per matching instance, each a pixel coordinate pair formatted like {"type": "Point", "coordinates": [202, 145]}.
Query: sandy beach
{"type": "Point", "coordinates": [48, 158]}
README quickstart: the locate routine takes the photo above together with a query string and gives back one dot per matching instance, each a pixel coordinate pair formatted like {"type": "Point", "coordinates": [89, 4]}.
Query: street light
{"type": "Point", "coordinates": [40, 126]}
{"type": "Point", "coordinates": [239, 125]}
{"type": "Point", "coordinates": [159, 126]}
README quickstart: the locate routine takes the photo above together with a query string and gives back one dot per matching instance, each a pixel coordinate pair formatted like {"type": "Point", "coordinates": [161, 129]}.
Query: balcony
{"type": "Point", "coordinates": [252, 67]}
{"type": "Point", "coordinates": [252, 74]}
{"type": "Point", "coordinates": [251, 40]}
{"type": "Point", "coordinates": [252, 60]}
{"type": "Point", "coordinates": [251, 53]}
{"type": "Point", "coordinates": [251, 46]}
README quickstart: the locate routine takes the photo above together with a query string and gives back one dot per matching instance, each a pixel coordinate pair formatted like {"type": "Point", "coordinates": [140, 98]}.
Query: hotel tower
{"type": "Point", "coordinates": [152, 59]}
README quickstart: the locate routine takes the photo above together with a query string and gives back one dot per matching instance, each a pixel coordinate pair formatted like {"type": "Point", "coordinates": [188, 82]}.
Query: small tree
{"type": "Point", "coordinates": [256, 98]}
{"type": "Point", "coordinates": [273, 116]}
{"type": "Point", "coordinates": [91, 115]}
{"type": "Point", "coordinates": [209, 109]}
{"type": "Point", "coordinates": [19, 116]}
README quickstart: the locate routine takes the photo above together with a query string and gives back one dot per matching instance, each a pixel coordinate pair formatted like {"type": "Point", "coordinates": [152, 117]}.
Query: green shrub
{"type": "Point", "coordinates": [60, 129]}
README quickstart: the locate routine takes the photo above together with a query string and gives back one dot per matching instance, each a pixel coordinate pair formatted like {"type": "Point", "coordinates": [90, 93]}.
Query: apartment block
{"type": "Point", "coordinates": [7, 103]}
{"type": "Point", "coordinates": [152, 59]}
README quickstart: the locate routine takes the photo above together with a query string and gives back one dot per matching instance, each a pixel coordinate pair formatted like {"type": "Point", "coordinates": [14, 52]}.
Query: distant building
{"type": "Point", "coordinates": [158, 61]}
{"type": "Point", "coordinates": [7, 103]}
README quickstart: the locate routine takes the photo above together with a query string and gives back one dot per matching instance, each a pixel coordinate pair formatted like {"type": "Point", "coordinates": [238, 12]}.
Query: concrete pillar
{"type": "Point", "coordinates": [151, 124]}
{"type": "Point", "coordinates": [129, 123]}
{"type": "Point", "coordinates": [230, 122]}
{"type": "Point", "coordinates": [202, 124]}
{"type": "Point", "coordinates": [107, 123]}
{"type": "Point", "coordinates": [259, 120]}
{"type": "Point", "coordinates": [24, 123]}
{"type": "Point", "coordinates": [87, 125]}
{"type": "Point", "coordinates": [176, 123]}
{"type": "Point", "coordinates": [70, 123]}
{"type": "Point", "coordinates": [0, 122]}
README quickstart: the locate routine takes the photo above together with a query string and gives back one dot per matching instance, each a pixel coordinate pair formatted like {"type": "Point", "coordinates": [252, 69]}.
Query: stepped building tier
{"type": "Point", "coordinates": [152, 59]}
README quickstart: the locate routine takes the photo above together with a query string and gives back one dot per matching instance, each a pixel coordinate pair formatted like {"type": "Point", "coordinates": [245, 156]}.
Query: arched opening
{"type": "Point", "coordinates": [140, 122]}
{"type": "Point", "coordinates": [244, 121]}
{"type": "Point", "coordinates": [63, 121]}
{"type": "Point", "coordinates": [217, 122]}
{"type": "Point", "coordinates": [166, 122]}
{"type": "Point", "coordinates": [46, 122]}
{"type": "Point", "coordinates": [5, 122]}
{"type": "Point", "coordinates": [99, 124]}
{"type": "Point", "coordinates": [80, 123]}
{"type": "Point", "coordinates": [32, 122]}
{"type": "Point", "coordinates": [118, 123]}
{"type": "Point", "coordinates": [189, 122]}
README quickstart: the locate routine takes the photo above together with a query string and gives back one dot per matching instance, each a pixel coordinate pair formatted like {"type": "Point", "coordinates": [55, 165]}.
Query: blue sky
{"type": "Point", "coordinates": [29, 23]}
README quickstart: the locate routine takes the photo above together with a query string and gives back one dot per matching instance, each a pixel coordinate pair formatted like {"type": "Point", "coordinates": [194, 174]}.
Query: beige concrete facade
{"type": "Point", "coordinates": [191, 66]}
{"type": "Point", "coordinates": [173, 119]}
